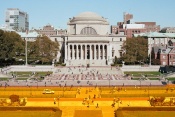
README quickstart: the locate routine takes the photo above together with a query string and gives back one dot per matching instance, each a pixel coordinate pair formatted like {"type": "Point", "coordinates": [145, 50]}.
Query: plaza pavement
{"type": "Point", "coordinates": [69, 106]}
{"type": "Point", "coordinates": [82, 76]}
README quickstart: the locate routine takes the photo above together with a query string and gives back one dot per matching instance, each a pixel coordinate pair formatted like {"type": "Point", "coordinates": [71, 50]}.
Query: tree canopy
{"type": "Point", "coordinates": [12, 48]}
{"type": "Point", "coordinates": [11, 45]}
{"type": "Point", "coordinates": [43, 49]}
{"type": "Point", "coordinates": [136, 50]}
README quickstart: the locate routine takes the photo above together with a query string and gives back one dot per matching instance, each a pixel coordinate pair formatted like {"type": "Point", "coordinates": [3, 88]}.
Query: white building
{"type": "Point", "coordinates": [88, 41]}
{"type": "Point", "coordinates": [16, 19]}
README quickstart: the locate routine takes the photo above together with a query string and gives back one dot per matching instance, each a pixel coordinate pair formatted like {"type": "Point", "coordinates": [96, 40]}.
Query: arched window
{"type": "Point", "coordinates": [88, 31]}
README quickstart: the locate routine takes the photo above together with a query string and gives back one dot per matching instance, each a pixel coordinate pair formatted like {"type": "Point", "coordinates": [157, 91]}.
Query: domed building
{"type": "Point", "coordinates": [88, 41]}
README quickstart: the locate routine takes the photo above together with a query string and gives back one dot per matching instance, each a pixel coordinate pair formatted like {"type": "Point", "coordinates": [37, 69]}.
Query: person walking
{"type": "Point", "coordinates": [97, 106]}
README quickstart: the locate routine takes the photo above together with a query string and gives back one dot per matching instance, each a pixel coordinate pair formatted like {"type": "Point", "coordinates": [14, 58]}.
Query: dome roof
{"type": "Point", "coordinates": [88, 17]}
{"type": "Point", "coordinates": [89, 14]}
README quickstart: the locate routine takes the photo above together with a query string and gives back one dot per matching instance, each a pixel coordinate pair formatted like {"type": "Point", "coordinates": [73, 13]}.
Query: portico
{"type": "Point", "coordinates": [87, 51]}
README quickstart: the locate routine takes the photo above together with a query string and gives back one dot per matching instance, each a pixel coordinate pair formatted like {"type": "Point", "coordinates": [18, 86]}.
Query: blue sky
{"type": "Point", "coordinates": [57, 12]}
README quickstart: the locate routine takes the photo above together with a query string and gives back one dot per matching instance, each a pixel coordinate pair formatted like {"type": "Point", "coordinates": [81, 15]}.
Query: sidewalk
{"type": "Point", "coordinates": [68, 107]}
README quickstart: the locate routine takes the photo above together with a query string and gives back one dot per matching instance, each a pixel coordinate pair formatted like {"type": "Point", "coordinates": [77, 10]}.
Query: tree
{"type": "Point", "coordinates": [136, 50]}
{"type": "Point", "coordinates": [11, 45]}
{"type": "Point", "coordinates": [43, 49]}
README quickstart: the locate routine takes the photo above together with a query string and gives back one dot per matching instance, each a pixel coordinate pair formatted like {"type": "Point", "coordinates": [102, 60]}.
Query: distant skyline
{"type": "Point", "coordinates": [58, 12]}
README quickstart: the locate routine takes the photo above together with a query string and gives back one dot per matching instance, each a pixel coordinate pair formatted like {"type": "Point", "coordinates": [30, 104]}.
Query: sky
{"type": "Point", "coordinates": [58, 12]}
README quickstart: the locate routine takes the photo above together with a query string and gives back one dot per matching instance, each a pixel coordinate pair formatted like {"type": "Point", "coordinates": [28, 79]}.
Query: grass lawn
{"type": "Point", "coordinates": [4, 78]}
{"type": "Point", "coordinates": [153, 78]}
{"type": "Point", "coordinates": [21, 78]}
{"type": "Point", "coordinates": [135, 79]}
{"type": "Point", "coordinates": [139, 74]}
{"type": "Point", "coordinates": [30, 112]}
{"type": "Point", "coordinates": [30, 73]}
{"type": "Point", "coordinates": [88, 113]}
{"type": "Point", "coordinates": [171, 78]}
{"type": "Point", "coordinates": [145, 112]}
{"type": "Point", "coordinates": [27, 114]}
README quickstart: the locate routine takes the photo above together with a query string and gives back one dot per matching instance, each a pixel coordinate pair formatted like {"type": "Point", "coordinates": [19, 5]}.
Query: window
{"type": "Point", "coordinates": [173, 63]}
{"type": "Point", "coordinates": [88, 31]}
{"type": "Point", "coordinates": [173, 57]}
{"type": "Point", "coordinates": [164, 57]}
{"type": "Point", "coordinates": [120, 39]}
{"type": "Point", "coordinates": [121, 54]}
{"type": "Point", "coordinates": [113, 54]}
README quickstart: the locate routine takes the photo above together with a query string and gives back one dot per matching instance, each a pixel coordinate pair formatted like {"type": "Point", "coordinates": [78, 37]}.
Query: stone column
{"type": "Point", "coordinates": [85, 52]}
{"type": "Point", "coordinates": [90, 52]}
{"type": "Point", "coordinates": [95, 53]}
{"type": "Point", "coordinates": [103, 51]}
{"type": "Point", "coordinates": [77, 52]}
{"type": "Point", "coordinates": [73, 52]}
{"type": "Point", "coordinates": [68, 54]}
{"type": "Point", "coordinates": [99, 52]}
{"type": "Point", "coordinates": [110, 51]}
{"type": "Point", "coordinates": [81, 51]}
{"type": "Point", "coordinates": [107, 52]}
{"type": "Point", "coordinates": [65, 45]}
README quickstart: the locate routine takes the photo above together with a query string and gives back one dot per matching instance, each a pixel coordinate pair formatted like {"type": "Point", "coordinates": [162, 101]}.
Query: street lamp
{"type": "Point", "coordinates": [109, 82]}
{"type": "Point", "coordinates": [26, 47]}
{"type": "Point", "coordinates": [58, 101]}
{"type": "Point", "coordinates": [150, 50]}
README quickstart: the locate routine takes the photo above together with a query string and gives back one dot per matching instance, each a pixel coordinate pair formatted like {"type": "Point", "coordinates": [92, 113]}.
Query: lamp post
{"type": "Point", "coordinates": [150, 50]}
{"type": "Point", "coordinates": [109, 82]}
{"type": "Point", "coordinates": [26, 47]}
{"type": "Point", "coordinates": [58, 101]}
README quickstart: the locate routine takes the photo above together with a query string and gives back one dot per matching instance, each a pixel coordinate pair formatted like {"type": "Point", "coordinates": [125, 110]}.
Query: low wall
{"type": "Point", "coordinates": [139, 68]}
{"type": "Point", "coordinates": [31, 68]}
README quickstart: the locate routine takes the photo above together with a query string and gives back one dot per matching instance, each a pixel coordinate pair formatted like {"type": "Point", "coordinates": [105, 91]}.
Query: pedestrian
{"type": "Point", "coordinates": [97, 106]}
{"type": "Point", "coordinates": [88, 105]}
{"type": "Point", "coordinates": [54, 100]}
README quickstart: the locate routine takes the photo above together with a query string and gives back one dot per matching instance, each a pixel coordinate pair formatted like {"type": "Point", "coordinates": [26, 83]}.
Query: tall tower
{"type": "Point", "coordinates": [16, 19]}
{"type": "Point", "coordinates": [127, 17]}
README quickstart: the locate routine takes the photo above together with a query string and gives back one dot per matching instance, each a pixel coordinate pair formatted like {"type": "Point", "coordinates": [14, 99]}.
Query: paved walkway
{"type": "Point", "coordinates": [68, 107]}
{"type": "Point", "coordinates": [86, 101]}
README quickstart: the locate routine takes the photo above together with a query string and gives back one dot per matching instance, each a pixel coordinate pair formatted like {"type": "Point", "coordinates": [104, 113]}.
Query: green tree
{"type": "Point", "coordinates": [43, 49]}
{"type": "Point", "coordinates": [136, 50]}
{"type": "Point", "coordinates": [11, 46]}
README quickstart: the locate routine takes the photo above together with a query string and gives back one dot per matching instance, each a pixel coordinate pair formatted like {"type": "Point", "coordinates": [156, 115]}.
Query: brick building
{"type": "Point", "coordinates": [128, 27]}
{"type": "Point", "coordinates": [49, 30]}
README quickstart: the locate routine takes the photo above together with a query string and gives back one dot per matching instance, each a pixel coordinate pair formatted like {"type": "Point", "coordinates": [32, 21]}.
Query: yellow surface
{"type": "Point", "coordinates": [68, 106]}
